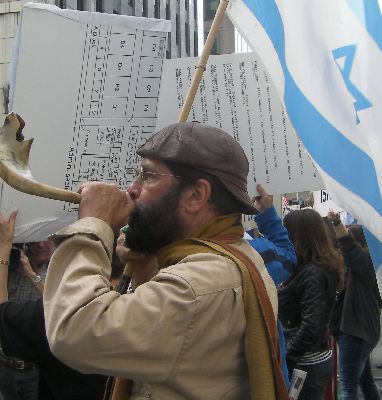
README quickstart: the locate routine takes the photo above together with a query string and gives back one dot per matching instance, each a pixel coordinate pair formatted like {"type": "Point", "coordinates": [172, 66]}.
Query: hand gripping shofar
{"type": "Point", "coordinates": [14, 163]}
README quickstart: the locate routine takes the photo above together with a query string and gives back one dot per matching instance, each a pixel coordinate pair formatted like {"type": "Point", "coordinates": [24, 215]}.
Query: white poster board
{"type": "Point", "coordinates": [237, 95]}
{"type": "Point", "coordinates": [87, 85]}
{"type": "Point", "coordinates": [323, 203]}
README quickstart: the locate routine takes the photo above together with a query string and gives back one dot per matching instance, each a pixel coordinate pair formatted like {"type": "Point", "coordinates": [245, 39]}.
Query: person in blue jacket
{"type": "Point", "coordinates": [276, 250]}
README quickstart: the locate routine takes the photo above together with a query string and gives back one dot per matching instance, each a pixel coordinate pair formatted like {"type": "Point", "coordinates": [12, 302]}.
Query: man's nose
{"type": "Point", "coordinates": [134, 189]}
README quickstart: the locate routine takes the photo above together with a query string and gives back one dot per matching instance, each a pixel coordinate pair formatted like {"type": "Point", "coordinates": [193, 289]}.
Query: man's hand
{"type": "Point", "coordinates": [264, 200]}
{"type": "Point", "coordinates": [334, 217]}
{"type": "Point", "coordinates": [106, 202]}
{"type": "Point", "coordinates": [27, 267]}
{"type": "Point", "coordinates": [121, 250]}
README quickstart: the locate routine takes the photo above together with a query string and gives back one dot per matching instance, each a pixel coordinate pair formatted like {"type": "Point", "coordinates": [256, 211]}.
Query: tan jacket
{"type": "Point", "coordinates": [179, 336]}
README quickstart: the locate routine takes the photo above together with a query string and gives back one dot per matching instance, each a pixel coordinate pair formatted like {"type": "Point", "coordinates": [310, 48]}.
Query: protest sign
{"type": "Point", "coordinates": [87, 86]}
{"type": "Point", "coordinates": [237, 95]}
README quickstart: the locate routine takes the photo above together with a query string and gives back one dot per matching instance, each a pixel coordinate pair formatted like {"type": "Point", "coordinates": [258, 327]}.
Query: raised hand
{"type": "Point", "coordinates": [338, 226]}
{"type": "Point", "coordinates": [27, 267]}
{"type": "Point", "coordinates": [333, 217]}
{"type": "Point", "coordinates": [264, 200]}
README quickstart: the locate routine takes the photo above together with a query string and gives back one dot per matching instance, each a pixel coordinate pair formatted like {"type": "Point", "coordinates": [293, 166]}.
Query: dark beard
{"type": "Point", "coordinates": [155, 225]}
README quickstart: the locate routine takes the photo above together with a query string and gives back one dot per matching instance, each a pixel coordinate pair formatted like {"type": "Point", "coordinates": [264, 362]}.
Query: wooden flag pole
{"type": "Point", "coordinates": [201, 67]}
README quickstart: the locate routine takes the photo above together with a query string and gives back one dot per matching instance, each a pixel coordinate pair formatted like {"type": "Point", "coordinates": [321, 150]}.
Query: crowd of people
{"type": "Point", "coordinates": [199, 311]}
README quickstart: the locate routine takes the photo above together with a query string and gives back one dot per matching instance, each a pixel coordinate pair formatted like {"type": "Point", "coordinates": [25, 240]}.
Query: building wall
{"type": "Point", "coordinates": [225, 41]}
{"type": "Point", "coordinates": [182, 41]}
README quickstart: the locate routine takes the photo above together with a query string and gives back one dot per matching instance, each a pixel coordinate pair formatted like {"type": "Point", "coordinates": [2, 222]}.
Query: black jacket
{"type": "Point", "coordinates": [357, 310]}
{"type": "Point", "coordinates": [305, 305]}
{"type": "Point", "coordinates": [22, 334]}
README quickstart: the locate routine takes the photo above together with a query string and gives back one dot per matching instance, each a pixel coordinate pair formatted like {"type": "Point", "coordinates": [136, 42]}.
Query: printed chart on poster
{"type": "Point", "coordinates": [237, 95]}
{"type": "Point", "coordinates": [88, 92]}
{"type": "Point", "coordinates": [116, 106]}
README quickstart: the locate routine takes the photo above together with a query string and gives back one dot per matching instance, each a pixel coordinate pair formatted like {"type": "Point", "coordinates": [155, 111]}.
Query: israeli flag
{"type": "Point", "coordinates": [325, 58]}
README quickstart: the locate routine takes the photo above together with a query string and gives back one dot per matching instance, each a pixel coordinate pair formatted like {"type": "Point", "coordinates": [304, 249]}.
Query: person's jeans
{"type": "Point", "coordinates": [19, 384]}
{"type": "Point", "coordinates": [317, 378]}
{"type": "Point", "coordinates": [355, 368]}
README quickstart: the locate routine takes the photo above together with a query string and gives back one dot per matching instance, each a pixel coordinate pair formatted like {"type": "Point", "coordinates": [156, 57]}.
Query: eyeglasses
{"type": "Point", "coordinates": [143, 176]}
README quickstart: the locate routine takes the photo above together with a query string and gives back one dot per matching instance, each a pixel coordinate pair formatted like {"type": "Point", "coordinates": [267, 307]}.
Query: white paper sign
{"type": "Point", "coordinates": [237, 95]}
{"type": "Point", "coordinates": [323, 203]}
{"type": "Point", "coordinates": [87, 85]}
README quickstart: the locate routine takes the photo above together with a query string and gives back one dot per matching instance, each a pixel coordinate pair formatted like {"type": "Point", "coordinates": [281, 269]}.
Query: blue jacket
{"type": "Point", "coordinates": [274, 246]}
{"type": "Point", "coordinates": [279, 258]}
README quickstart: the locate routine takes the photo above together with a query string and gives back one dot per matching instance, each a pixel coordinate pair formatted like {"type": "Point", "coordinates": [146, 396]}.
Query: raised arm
{"type": "Point", "coordinates": [356, 257]}
{"type": "Point", "coordinates": [271, 227]}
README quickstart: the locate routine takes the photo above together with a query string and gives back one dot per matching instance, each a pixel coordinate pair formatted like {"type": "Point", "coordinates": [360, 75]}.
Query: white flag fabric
{"type": "Point", "coordinates": [325, 58]}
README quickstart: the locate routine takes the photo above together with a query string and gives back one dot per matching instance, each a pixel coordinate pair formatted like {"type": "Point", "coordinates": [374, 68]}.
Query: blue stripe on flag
{"type": "Point", "coordinates": [348, 52]}
{"type": "Point", "coordinates": [369, 13]}
{"type": "Point", "coordinates": [330, 149]}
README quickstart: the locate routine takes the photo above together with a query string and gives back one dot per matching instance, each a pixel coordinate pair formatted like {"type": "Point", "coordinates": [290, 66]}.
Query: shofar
{"type": "Point", "coordinates": [14, 163]}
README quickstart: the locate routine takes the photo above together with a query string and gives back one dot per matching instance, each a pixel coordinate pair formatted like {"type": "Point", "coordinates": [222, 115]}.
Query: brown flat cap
{"type": "Point", "coordinates": [205, 148]}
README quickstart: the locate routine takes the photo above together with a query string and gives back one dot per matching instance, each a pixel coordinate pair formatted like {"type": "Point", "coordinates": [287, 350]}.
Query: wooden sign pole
{"type": "Point", "coordinates": [201, 67]}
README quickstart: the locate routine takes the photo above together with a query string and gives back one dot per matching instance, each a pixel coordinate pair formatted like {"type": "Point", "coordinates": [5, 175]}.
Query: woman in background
{"type": "Point", "coordinates": [356, 318]}
{"type": "Point", "coordinates": [306, 300]}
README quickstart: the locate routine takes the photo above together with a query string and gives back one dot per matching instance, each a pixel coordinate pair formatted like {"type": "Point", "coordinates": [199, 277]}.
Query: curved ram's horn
{"type": "Point", "coordinates": [14, 160]}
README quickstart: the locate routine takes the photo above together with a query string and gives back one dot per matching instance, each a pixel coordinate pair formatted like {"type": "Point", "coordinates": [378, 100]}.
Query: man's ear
{"type": "Point", "coordinates": [197, 196]}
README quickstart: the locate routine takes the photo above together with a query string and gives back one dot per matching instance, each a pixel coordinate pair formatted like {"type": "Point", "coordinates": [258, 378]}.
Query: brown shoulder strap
{"type": "Point", "coordinates": [266, 309]}
{"type": "Point", "coordinates": [117, 389]}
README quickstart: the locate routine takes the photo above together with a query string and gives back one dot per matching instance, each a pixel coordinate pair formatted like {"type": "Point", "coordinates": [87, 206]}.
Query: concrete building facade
{"type": "Point", "coordinates": [225, 41]}
{"type": "Point", "coordinates": [182, 40]}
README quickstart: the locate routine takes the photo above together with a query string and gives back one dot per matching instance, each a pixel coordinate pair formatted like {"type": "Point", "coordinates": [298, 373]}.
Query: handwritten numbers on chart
{"type": "Point", "coordinates": [95, 31]}
{"type": "Point", "coordinates": [145, 107]}
{"type": "Point", "coordinates": [113, 107]}
{"type": "Point", "coordinates": [118, 65]}
{"type": "Point", "coordinates": [94, 109]}
{"type": "Point", "coordinates": [150, 67]}
{"type": "Point", "coordinates": [153, 46]}
{"type": "Point", "coordinates": [117, 86]}
{"type": "Point", "coordinates": [122, 44]}
{"type": "Point", "coordinates": [96, 90]}
{"type": "Point", "coordinates": [148, 87]}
